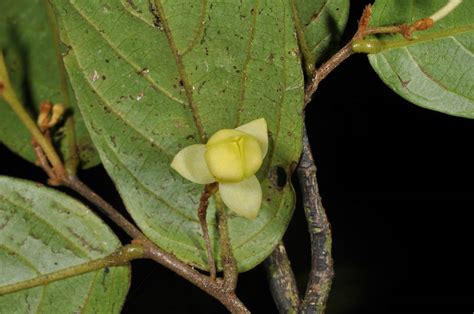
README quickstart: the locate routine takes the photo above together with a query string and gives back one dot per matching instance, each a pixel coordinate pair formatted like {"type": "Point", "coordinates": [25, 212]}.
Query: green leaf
{"type": "Point", "coordinates": [435, 70]}
{"type": "Point", "coordinates": [167, 82]}
{"type": "Point", "coordinates": [30, 44]}
{"type": "Point", "coordinates": [42, 231]}
{"type": "Point", "coordinates": [319, 26]}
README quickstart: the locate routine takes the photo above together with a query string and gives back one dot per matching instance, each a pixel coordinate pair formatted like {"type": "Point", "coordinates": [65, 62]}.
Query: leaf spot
{"type": "Point", "coordinates": [94, 76]}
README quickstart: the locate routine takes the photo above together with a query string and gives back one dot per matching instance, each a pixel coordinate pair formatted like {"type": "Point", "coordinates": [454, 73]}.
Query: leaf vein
{"type": "Point", "coordinates": [181, 70]}
{"type": "Point", "coordinates": [316, 15]}
{"type": "Point", "coordinates": [135, 66]}
{"type": "Point", "coordinates": [21, 257]}
{"type": "Point", "coordinates": [464, 48]}
{"type": "Point", "coordinates": [121, 116]}
{"type": "Point", "coordinates": [200, 29]}
{"type": "Point", "coordinates": [248, 52]}
{"type": "Point", "coordinates": [148, 190]}
{"type": "Point", "coordinates": [79, 249]}
{"type": "Point", "coordinates": [89, 291]}
{"type": "Point", "coordinates": [428, 75]}
{"type": "Point", "coordinates": [280, 106]}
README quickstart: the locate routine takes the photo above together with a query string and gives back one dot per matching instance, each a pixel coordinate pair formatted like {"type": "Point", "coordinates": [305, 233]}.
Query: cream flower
{"type": "Point", "coordinates": [231, 157]}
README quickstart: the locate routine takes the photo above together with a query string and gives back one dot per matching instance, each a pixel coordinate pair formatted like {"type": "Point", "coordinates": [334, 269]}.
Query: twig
{"type": "Point", "coordinates": [78, 186]}
{"type": "Point", "coordinates": [320, 277]}
{"type": "Point", "coordinates": [282, 281]}
{"type": "Point", "coordinates": [42, 161]}
{"type": "Point", "coordinates": [214, 288]}
{"type": "Point", "coordinates": [345, 52]}
{"type": "Point", "coordinates": [6, 91]}
{"type": "Point", "coordinates": [121, 256]}
{"type": "Point", "coordinates": [209, 190]}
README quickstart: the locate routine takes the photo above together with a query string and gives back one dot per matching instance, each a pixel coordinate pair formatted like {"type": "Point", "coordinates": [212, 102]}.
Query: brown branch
{"type": "Point", "coordinates": [344, 53]}
{"type": "Point", "coordinates": [214, 288]}
{"type": "Point", "coordinates": [152, 251]}
{"type": "Point", "coordinates": [78, 186]}
{"type": "Point", "coordinates": [282, 281]}
{"type": "Point", "coordinates": [281, 276]}
{"type": "Point", "coordinates": [322, 272]}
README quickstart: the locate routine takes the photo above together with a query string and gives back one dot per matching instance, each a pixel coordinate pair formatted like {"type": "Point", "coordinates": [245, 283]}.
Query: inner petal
{"type": "Point", "coordinates": [224, 161]}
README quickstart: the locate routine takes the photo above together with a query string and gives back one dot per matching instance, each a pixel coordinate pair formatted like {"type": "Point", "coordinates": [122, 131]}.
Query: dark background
{"type": "Point", "coordinates": [396, 181]}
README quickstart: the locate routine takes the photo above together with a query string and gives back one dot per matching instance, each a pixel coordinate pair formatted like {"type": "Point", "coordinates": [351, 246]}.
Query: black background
{"type": "Point", "coordinates": [396, 181]}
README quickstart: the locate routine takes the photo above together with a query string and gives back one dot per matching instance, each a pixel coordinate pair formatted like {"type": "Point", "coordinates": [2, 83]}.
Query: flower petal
{"type": "Point", "coordinates": [258, 129]}
{"type": "Point", "coordinates": [224, 161]}
{"type": "Point", "coordinates": [244, 197]}
{"type": "Point", "coordinates": [224, 134]}
{"type": "Point", "coordinates": [251, 155]}
{"type": "Point", "coordinates": [191, 164]}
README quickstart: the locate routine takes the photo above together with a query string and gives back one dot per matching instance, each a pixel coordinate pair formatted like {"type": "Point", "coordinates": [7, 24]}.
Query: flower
{"type": "Point", "coordinates": [231, 157]}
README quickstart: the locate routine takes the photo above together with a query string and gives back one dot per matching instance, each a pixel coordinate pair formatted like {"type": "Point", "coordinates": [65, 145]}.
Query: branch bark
{"type": "Point", "coordinates": [322, 271]}
{"type": "Point", "coordinates": [282, 281]}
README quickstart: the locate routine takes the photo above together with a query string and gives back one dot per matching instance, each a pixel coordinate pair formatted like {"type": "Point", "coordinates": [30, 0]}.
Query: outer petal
{"type": "Point", "coordinates": [251, 155]}
{"type": "Point", "coordinates": [191, 164]}
{"type": "Point", "coordinates": [258, 129]}
{"type": "Point", "coordinates": [244, 197]}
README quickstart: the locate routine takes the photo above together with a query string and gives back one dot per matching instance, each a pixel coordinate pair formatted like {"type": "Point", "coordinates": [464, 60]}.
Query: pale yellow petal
{"type": "Point", "coordinates": [244, 197]}
{"type": "Point", "coordinates": [224, 161]}
{"type": "Point", "coordinates": [190, 162]}
{"type": "Point", "coordinates": [258, 129]}
{"type": "Point", "coordinates": [223, 135]}
{"type": "Point", "coordinates": [251, 155]}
